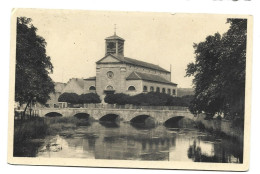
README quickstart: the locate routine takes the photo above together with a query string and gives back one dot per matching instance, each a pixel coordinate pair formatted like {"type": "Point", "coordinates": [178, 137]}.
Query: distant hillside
{"type": "Point", "coordinates": [185, 91]}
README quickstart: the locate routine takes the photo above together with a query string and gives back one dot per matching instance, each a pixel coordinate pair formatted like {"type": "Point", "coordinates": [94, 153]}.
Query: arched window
{"type": "Point", "coordinates": [145, 89]}
{"type": "Point", "coordinates": [92, 88]}
{"type": "Point", "coordinates": [157, 89]}
{"type": "Point", "coordinates": [169, 91]}
{"type": "Point", "coordinates": [163, 90]}
{"type": "Point", "coordinates": [173, 92]}
{"type": "Point", "coordinates": [110, 87]}
{"type": "Point", "coordinates": [131, 88]}
{"type": "Point", "coordinates": [151, 89]}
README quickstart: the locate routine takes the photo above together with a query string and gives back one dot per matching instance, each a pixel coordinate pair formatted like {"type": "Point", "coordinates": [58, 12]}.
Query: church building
{"type": "Point", "coordinates": [116, 73]}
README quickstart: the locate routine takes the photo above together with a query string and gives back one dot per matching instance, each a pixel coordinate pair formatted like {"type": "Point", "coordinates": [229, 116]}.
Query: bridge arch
{"type": "Point", "coordinates": [111, 117]}
{"type": "Point", "coordinates": [178, 122]}
{"type": "Point", "coordinates": [53, 114]}
{"type": "Point", "coordinates": [82, 115]}
{"type": "Point", "coordinates": [140, 118]}
{"type": "Point", "coordinates": [143, 121]}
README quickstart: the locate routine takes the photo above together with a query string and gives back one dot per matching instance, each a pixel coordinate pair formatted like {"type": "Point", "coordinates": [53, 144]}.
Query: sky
{"type": "Point", "coordinates": [75, 39]}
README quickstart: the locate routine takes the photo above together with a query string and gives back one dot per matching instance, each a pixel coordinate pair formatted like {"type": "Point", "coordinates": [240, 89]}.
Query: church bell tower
{"type": "Point", "coordinates": [115, 45]}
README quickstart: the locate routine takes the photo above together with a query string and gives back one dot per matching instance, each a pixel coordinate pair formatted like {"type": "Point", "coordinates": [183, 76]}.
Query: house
{"type": "Point", "coordinates": [58, 87]}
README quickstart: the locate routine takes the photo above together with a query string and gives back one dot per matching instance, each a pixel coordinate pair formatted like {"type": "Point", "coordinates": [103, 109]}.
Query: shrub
{"type": "Point", "coordinates": [72, 98]}
{"type": "Point", "coordinates": [89, 98]}
{"type": "Point", "coordinates": [148, 99]}
{"type": "Point", "coordinates": [119, 98]}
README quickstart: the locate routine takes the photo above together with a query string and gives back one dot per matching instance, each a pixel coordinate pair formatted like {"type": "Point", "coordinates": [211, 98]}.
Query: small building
{"type": "Point", "coordinates": [75, 85]}
{"type": "Point", "coordinates": [58, 87]}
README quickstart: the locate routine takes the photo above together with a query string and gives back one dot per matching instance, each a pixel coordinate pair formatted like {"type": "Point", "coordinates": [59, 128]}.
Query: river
{"type": "Point", "coordinates": [123, 141]}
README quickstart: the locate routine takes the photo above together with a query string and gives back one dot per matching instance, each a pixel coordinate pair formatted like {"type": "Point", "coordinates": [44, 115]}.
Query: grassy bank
{"type": "Point", "coordinates": [29, 129]}
{"type": "Point", "coordinates": [29, 134]}
{"type": "Point", "coordinates": [25, 130]}
{"type": "Point", "coordinates": [220, 128]}
{"type": "Point", "coordinates": [40, 127]}
{"type": "Point", "coordinates": [58, 124]}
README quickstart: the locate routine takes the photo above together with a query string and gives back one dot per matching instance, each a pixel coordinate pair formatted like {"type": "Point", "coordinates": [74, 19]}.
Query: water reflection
{"type": "Point", "coordinates": [124, 141]}
{"type": "Point", "coordinates": [110, 124]}
{"type": "Point", "coordinates": [142, 126]}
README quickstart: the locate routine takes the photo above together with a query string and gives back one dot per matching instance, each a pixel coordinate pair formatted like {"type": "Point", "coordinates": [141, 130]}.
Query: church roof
{"type": "Point", "coordinates": [132, 61]}
{"type": "Point", "coordinates": [114, 37]}
{"type": "Point", "coordinates": [148, 77]}
{"type": "Point", "coordinates": [144, 64]}
{"type": "Point", "coordinates": [91, 78]}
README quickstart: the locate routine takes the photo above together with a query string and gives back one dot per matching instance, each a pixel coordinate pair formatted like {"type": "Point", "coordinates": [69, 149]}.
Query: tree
{"type": "Point", "coordinates": [219, 72]}
{"type": "Point", "coordinates": [89, 98]}
{"type": "Point", "coordinates": [33, 66]}
{"type": "Point", "coordinates": [118, 98]}
{"type": "Point", "coordinates": [72, 98]}
{"type": "Point", "coordinates": [148, 99]}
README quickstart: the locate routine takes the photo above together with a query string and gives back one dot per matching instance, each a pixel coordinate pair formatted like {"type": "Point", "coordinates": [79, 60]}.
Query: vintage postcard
{"type": "Point", "coordinates": [130, 89]}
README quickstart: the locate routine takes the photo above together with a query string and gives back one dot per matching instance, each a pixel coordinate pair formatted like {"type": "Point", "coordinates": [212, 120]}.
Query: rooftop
{"type": "Point", "coordinates": [79, 81]}
{"type": "Point", "coordinates": [114, 37]}
{"type": "Point", "coordinates": [136, 62]}
{"type": "Point", "coordinates": [144, 64]}
{"type": "Point", "coordinates": [91, 78]}
{"type": "Point", "coordinates": [148, 77]}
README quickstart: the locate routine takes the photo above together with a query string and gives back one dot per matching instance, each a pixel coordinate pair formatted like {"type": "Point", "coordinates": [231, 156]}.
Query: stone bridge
{"type": "Point", "coordinates": [159, 116]}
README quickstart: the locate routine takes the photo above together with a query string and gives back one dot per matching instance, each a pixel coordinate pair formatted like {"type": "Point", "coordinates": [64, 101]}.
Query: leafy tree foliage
{"type": "Point", "coordinates": [74, 98]}
{"type": "Point", "coordinates": [219, 72]}
{"type": "Point", "coordinates": [148, 99]}
{"type": "Point", "coordinates": [33, 66]}
{"type": "Point", "coordinates": [89, 98]}
{"type": "Point", "coordinates": [118, 98]}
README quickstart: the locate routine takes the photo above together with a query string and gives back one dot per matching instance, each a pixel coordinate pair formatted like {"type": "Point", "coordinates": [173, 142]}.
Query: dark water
{"type": "Point", "coordinates": [122, 141]}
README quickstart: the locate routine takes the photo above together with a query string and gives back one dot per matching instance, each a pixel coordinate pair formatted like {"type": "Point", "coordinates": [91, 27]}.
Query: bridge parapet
{"type": "Point", "coordinates": [130, 106]}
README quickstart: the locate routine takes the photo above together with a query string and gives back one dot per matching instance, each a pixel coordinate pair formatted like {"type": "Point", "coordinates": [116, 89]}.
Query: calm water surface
{"type": "Point", "coordinates": [123, 141]}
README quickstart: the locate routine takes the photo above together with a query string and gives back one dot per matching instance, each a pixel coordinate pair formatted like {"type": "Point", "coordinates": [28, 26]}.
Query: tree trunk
{"type": "Point", "coordinates": [30, 109]}
{"type": "Point", "coordinates": [25, 109]}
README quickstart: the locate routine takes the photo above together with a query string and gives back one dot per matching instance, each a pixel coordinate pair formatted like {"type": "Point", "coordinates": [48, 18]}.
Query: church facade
{"type": "Point", "coordinates": [116, 73]}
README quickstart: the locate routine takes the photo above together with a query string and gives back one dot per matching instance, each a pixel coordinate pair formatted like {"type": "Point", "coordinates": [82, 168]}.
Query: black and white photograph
{"type": "Point", "coordinates": [130, 89]}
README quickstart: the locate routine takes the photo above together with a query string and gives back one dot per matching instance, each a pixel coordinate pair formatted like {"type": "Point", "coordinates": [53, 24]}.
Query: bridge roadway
{"type": "Point", "coordinates": [159, 116]}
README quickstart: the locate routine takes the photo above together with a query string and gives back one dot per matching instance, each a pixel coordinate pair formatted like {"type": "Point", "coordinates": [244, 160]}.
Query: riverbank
{"type": "Point", "coordinates": [222, 127]}
{"type": "Point", "coordinates": [29, 134]}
